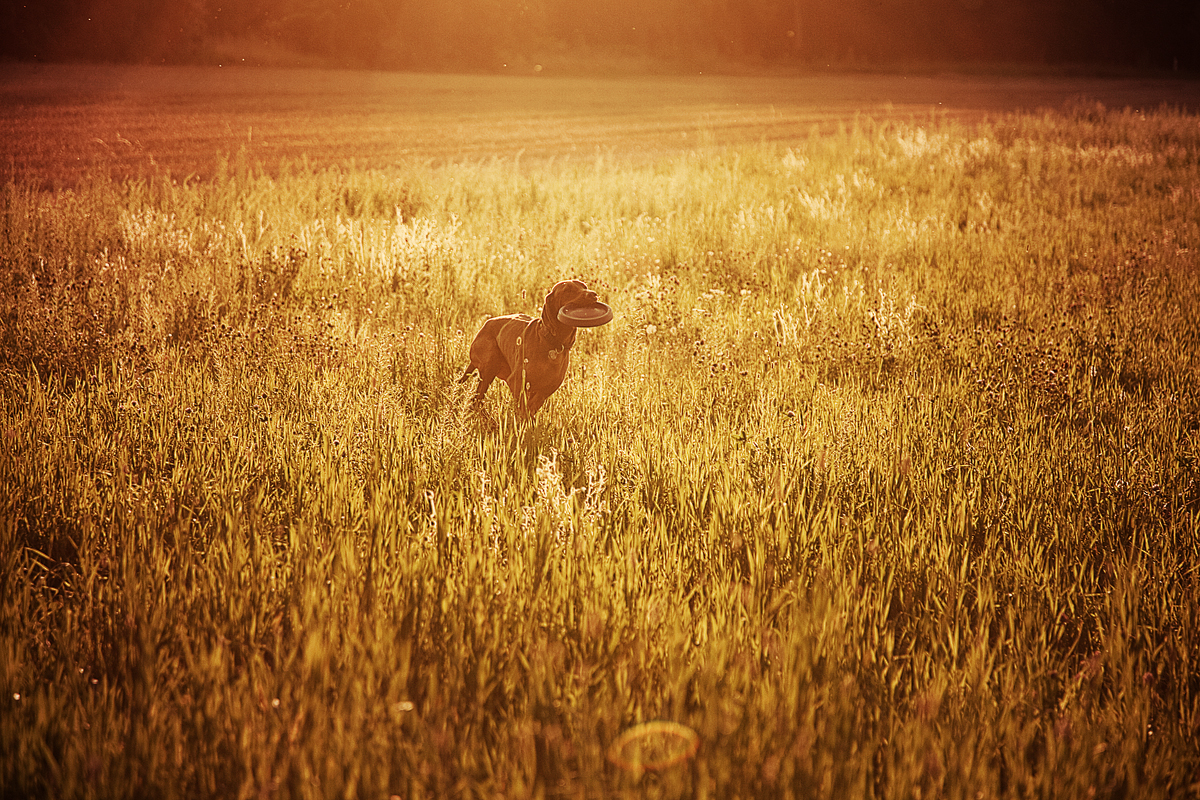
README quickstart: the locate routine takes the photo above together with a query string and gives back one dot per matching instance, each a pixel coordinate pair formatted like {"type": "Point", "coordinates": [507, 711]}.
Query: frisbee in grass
{"type": "Point", "coordinates": [653, 746]}
{"type": "Point", "coordinates": [589, 316]}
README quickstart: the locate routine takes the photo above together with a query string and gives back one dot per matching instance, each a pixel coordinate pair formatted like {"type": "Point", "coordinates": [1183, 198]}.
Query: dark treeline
{"type": "Point", "coordinates": [484, 34]}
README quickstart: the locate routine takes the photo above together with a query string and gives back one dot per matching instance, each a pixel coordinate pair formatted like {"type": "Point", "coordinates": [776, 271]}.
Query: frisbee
{"type": "Point", "coordinates": [588, 316]}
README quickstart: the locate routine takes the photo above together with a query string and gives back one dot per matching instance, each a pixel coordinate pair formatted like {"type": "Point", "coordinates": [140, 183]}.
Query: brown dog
{"type": "Point", "coordinates": [530, 355]}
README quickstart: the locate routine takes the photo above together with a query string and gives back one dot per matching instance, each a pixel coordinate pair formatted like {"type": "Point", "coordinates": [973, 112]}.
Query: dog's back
{"type": "Point", "coordinates": [493, 352]}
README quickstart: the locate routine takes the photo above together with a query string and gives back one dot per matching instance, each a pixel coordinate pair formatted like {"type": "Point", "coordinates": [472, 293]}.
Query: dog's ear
{"type": "Point", "coordinates": [549, 301]}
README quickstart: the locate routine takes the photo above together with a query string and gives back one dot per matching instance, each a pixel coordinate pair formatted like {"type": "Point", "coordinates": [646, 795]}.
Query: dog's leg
{"type": "Point", "coordinates": [534, 404]}
{"type": "Point", "coordinates": [520, 390]}
{"type": "Point", "coordinates": [484, 385]}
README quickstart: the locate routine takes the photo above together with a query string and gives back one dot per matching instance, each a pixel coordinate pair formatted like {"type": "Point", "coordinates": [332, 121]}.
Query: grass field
{"type": "Point", "coordinates": [58, 122]}
{"type": "Point", "coordinates": [883, 482]}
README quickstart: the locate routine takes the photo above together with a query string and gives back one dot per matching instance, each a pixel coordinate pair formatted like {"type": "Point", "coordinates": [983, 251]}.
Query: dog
{"type": "Point", "coordinates": [530, 354]}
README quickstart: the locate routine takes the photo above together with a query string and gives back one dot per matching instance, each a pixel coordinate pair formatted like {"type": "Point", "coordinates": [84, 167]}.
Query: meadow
{"type": "Point", "coordinates": [883, 481]}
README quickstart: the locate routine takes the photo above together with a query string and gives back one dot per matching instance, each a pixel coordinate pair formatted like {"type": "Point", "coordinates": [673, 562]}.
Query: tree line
{"type": "Point", "coordinates": [485, 34]}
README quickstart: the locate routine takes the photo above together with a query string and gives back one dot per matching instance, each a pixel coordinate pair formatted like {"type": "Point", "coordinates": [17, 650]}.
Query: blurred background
{"type": "Point", "coordinates": [522, 36]}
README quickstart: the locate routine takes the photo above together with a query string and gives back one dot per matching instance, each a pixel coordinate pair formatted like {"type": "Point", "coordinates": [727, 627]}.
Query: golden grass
{"type": "Point", "coordinates": [883, 482]}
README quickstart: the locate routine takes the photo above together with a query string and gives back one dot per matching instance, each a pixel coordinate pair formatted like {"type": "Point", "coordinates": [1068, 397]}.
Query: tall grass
{"type": "Point", "coordinates": [883, 481]}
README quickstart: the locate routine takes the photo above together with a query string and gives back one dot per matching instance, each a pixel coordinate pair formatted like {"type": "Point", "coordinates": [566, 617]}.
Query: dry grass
{"type": "Point", "coordinates": [884, 481]}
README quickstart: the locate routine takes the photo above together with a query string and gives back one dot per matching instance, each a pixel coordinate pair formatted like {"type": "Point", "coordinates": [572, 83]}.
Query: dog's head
{"type": "Point", "coordinates": [566, 294]}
